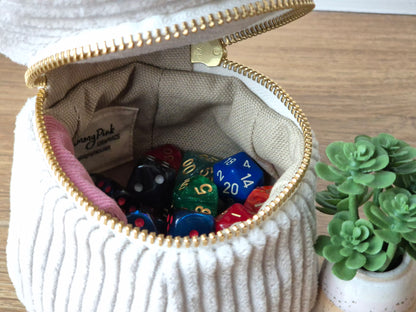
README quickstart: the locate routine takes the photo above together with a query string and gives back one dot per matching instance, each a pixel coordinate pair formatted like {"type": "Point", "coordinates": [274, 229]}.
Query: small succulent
{"type": "Point", "coordinates": [356, 165]}
{"type": "Point", "coordinates": [332, 200]}
{"type": "Point", "coordinates": [351, 246]}
{"type": "Point", "coordinates": [395, 217]}
{"type": "Point", "coordinates": [401, 154]}
{"type": "Point", "coordinates": [378, 174]}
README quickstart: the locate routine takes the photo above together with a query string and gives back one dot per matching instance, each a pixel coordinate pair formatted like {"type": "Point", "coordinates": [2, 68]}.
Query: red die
{"type": "Point", "coordinates": [169, 154]}
{"type": "Point", "coordinates": [257, 197]}
{"type": "Point", "coordinates": [235, 213]}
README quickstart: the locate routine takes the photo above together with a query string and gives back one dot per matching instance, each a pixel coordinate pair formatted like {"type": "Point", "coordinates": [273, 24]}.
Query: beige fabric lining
{"type": "Point", "coordinates": [195, 111]}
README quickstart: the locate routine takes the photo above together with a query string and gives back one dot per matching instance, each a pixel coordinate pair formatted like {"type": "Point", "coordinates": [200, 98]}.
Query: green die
{"type": "Point", "coordinates": [197, 193]}
{"type": "Point", "coordinates": [194, 163]}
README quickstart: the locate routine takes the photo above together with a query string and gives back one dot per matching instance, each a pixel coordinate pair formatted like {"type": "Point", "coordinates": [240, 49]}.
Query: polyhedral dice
{"type": "Point", "coordinates": [151, 184]}
{"type": "Point", "coordinates": [194, 163]}
{"type": "Point", "coordinates": [105, 184]}
{"type": "Point", "coordinates": [257, 197]}
{"type": "Point", "coordinates": [235, 213]}
{"type": "Point", "coordinates": [167, 153]}
{"type": "Point", "coordinates": [122, 197]}
{"type": "Point", "coordinates": [146, 222]}
{"type": "Point", "coordinates": [198, 194]}
{"type": "Point", "coordinates": [236, 177]}
{"type": "Point", "coordinates": [189, 223]}
{"type": "Point", "coordinates": [124, 200]}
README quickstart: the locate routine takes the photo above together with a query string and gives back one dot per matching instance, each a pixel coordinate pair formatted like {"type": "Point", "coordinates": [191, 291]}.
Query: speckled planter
{"type": "Point", "coordinates": [370, 291]}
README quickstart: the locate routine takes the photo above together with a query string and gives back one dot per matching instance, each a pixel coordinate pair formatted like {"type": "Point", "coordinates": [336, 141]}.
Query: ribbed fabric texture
{"type": "Point", "coordinates": [64, 152]}
{"type": "Point", "coordinates": [48, 21]}
{"type": "Point", "coordinates": [32, 30]}
{"type": "Point", "coordinates": [61, 259]}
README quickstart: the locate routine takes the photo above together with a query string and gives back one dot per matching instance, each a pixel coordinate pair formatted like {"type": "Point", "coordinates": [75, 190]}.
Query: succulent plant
{"type": "Point", "coordinates": [395, 217]}
{"type": "Point", "coordinates": [357, 165]}
{"type": "Point", "coordinates": [401, 154]}
{"type": "Point", "coordinates": [351, 246]}
{"type": "Point", "coordinates": [378, 174]}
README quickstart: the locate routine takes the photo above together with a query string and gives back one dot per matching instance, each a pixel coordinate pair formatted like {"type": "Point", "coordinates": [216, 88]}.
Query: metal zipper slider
{"type": "Point", "coordinates": [210, 53]}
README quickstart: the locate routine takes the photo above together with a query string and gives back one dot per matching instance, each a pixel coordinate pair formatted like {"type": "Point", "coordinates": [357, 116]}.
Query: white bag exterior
{"type": "Point", "coordinates": [64, 257]}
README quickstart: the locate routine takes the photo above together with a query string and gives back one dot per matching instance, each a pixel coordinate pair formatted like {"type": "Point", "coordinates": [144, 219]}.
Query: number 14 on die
{"type": "Point", "coordinates": [237, 176]}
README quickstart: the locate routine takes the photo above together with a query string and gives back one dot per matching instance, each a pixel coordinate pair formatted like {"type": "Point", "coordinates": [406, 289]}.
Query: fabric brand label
{"type": "Point", "coordinates": [107, 142]}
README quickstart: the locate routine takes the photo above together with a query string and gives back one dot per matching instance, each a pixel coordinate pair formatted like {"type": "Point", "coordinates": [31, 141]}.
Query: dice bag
{"type": "Point", "coordinates": [73, 256]}
{"type": "Point", "coordinates": [70, 258]}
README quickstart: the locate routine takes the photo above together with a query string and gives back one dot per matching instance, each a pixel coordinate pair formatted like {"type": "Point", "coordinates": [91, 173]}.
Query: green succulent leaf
{"type": "Point", "coordinates": [347, 228]}
{"type": "Point", "coordinates": [336, 156]}
{"type": "Point", "coordinates": [334, 191]}
{"type": "Point", "coordinates": [337, 240]}
{"type": "Point", "coordinates": [327, 201]}
{"type": "Point", "coordinates": [326, 210]}
{"type": "Point", "coordinates": [388, 236]}
{"type": "Point", "coordinates": [382, 179]}
{"type": "Point", "coordinates": [346, 252]}
{"type": "Point", "coordinates": [335, 226]}
{"type": "Point", "coordinates": [410, 236]}
{"type": "Point", "coordinates": [406, 168]}
{"type": "Point", "coordinates": [362, 137]}
{"type": "Point", "coordinates": [363, 178]}
{"type": "Point", "coordinates": [350, 187]}
{"type": "Point", "coordinates": [328, 173]}
{"type": "Point", "coordinates": [375, 245]}
{"type": "Point", "coordinates": [375, 215]}
{"type": "Point", "coordinates": [341, 271]}
{"type": "Point", "coordinates": [411, 250]}
{"type": "Point", "coordinates": [362, 247]}
{"type": "Point", "coordinates": [398, 208]}
{"type": "Point", "coordinates": [321, 242]}
{"type": "Point", "coordinates": [382, 160]}
{"type": "Point", "coordinates": [363, 222]}
{"type": "Point", "coordinates": [407, 181]}
{"type": "Point", "coordinates": [355, 261]}
{"type": "Point", "coordinates": [343, 204]}
{"type": "Point", "coordinates": [375, 262]}
{"type": "Point", "coordinates": [332, 254]}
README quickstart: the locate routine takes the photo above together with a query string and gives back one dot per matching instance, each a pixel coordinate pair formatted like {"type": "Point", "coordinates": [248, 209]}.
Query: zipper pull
{"type": "Point", "coordinates": [210, 53]}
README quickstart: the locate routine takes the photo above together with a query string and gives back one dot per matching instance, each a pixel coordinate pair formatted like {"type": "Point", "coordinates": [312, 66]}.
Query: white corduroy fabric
{"type": "Point", "coordinates": [33, 30]}
{"type": "Point", "coordinates": [62, 259]}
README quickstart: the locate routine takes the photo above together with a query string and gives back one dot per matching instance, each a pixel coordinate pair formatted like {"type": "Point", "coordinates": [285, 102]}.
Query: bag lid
{"type": "Point", "coordinates": [48, 34]}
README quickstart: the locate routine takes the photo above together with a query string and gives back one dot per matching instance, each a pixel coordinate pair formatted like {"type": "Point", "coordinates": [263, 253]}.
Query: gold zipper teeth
{"type": "Point", "coordinates": [35, 75]}
{"type": "Point", "coordinates": [204, 240]}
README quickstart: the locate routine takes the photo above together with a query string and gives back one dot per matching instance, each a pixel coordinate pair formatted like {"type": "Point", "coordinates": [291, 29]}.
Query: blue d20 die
{"type": "Point", "coordinates": [183, 223]}
{"type": "Point", "coordinates": [236, 177]}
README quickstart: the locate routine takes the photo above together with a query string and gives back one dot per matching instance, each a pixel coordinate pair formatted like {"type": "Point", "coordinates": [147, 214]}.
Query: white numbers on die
{"type": "Point", "coordinates": [230, 188]}
{"type": "Point", "coordinates": [220, 175]}
{"type": "Point", "coordinates": [230, 161]}
{"type": "Point", "coordinates": [246, 182]}
{"type": "Point", "coordinates": [247, 164]}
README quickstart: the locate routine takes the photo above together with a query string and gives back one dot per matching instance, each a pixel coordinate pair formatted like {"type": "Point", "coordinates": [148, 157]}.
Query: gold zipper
{"type": "Point", "coordinates": [35, 75]}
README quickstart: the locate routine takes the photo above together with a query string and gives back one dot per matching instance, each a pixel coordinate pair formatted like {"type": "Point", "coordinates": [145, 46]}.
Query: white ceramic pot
{"type": "Point", "coordinates": [390, 291]}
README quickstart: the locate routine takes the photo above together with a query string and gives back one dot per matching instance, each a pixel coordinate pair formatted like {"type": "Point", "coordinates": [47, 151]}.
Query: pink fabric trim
{"type": "Point", "coordinates": [64, 152]}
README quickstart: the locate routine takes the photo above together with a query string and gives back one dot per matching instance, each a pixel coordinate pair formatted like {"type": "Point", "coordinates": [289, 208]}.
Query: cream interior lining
{"type": "Point", "coordinates": [195, 111]}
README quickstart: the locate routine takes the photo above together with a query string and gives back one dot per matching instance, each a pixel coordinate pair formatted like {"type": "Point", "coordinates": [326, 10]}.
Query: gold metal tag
{"type": "Point", "coordinates": [210, 53]}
